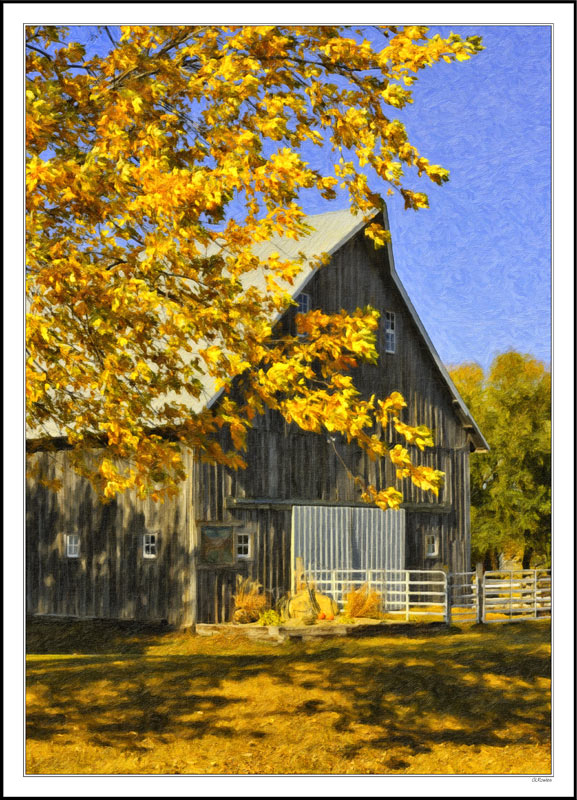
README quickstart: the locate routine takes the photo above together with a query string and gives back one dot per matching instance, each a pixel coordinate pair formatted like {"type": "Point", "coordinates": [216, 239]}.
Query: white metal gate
{"type": "Point", "coordinates": [404, 594]}
{"type": "Point", "coordinates": [463, 597]}
{"type": "Point", "coordinates": [516, 595]}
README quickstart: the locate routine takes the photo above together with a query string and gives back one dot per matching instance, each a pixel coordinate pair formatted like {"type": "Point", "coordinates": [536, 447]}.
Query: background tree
{"type": "Point", "coordinates": [510, 485]}
{"type": "Point", "coordinates": [151, 172]}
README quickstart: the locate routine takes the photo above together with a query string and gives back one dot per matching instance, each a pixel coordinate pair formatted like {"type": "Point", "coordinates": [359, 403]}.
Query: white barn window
{"type": "Point", "coordinates": [73, 545]}
{"type": "Point", "coordinates": [431, 545]}
{"type": "Point", "coordinates": [390, 332]}
{"type": "Point", "coordinates": [243, 545]}
{"type": "Point", "coordinates": [149, 544]}
{"type": "Point", "coordinates": [303, 302]}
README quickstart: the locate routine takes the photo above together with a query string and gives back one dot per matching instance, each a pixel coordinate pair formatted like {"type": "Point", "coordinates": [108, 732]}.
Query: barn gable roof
{"type": "Point", "coordinates": [331, 231]}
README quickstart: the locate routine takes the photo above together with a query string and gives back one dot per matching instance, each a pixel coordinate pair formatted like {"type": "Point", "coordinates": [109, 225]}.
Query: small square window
{"type": "Point", "coordinates": [390, 332]}
{"type": "Point", "coordinates": [431, 545]}
{"type": "Point", "coordinates": [149, 545]}
{"type": "Point", "coordinates": [243, 545]}
{"type": "Point", "coordinates": [73, 545]}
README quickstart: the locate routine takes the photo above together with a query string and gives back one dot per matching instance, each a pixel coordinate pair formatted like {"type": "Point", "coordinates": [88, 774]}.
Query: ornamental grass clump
{"type": "Point", "coordinates": [363, 602]}
{"type": "Point", "coordinates": [270, 617]}
{"type": "Point", "coordinates": [249, 602]}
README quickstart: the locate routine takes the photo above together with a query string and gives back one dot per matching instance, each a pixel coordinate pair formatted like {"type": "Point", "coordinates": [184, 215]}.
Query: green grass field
{"type": "Point", "coordinates": [111, 698]}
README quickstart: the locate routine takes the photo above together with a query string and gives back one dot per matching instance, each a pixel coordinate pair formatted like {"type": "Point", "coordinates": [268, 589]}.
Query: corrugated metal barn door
{"type": "Point", "coordinates": [345, 538]}
{"type": "Point", "coordinates": [379, 538]}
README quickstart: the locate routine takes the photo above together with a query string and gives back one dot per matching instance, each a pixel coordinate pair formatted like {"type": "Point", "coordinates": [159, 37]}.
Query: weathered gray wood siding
{"type": "Point", "coordinates": [285, 463]}
{"type": "Point", "coordinates": [110, 578]}
{"type": "Point", "coordinates": [213, 488]}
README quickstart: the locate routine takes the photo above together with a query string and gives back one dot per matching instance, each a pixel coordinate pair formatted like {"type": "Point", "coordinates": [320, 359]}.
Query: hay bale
{"type": "Point", "coordinates": [299, 605]}
{"type": "Point", "coordinates": [363, 602]}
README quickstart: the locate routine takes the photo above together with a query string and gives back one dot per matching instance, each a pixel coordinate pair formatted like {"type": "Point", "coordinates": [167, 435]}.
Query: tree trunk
{"type": "Point", "coordinates": [527, 554]}
{"type": "Point", "coordinates": [490, 560]}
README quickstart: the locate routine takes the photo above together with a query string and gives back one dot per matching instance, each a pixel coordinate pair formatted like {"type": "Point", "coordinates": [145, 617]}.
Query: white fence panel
{"type": "Point", "coordinates": [413, 594]}
{"type": "Point", "coordinates": [510, 595]}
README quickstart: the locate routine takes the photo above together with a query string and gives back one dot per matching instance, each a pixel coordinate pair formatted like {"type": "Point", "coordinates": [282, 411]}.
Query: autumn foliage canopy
{"type": "Point", "coordinates": [151, 172]}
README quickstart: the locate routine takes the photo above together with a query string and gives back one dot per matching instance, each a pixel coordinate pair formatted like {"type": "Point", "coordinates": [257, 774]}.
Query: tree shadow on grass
{"type": "Point", "coordinates": [485, 694]}
{"type": "Point", "coordinates": [114, 703]}
{"type": "Point", "coordinates": [46, 635]}
{"type": "Point", "coordinates": [483, 689]}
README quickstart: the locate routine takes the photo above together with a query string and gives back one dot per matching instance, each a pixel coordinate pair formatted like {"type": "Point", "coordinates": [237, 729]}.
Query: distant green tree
{"type": "Point", "coordinates": [510, 485]}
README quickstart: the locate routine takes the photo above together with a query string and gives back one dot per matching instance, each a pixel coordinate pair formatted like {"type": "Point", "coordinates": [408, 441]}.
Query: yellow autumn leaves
{"type": "Point", "coordinates": [152, 171]}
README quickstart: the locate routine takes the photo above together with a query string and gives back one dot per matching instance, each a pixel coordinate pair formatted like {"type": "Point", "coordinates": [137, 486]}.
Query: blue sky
{"type": "Point", "coordinates": [477, 263]}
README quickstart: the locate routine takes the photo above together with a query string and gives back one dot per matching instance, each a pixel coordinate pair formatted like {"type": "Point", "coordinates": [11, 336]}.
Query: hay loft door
{"type": "Point", "coordinates": [329, 538]}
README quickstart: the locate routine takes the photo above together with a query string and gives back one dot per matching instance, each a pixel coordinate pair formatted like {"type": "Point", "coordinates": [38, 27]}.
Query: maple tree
{"type": "Point", "coordinates": [511, 484]}
{"type": "Point", "coordinates": [138, 274]}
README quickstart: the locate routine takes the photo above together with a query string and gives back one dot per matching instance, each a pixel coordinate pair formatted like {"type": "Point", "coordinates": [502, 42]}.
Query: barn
{"type": "Point", "coordinates": [293, 506]}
